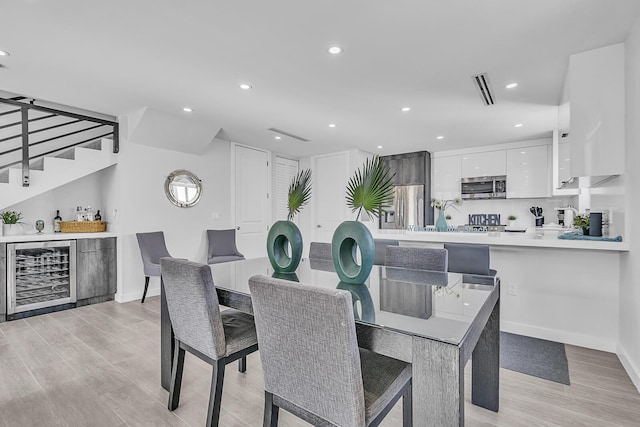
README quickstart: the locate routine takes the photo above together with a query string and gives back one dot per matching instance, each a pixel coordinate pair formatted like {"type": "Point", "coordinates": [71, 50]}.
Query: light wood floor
{"type": "Point", "coordinates": [100, 366]}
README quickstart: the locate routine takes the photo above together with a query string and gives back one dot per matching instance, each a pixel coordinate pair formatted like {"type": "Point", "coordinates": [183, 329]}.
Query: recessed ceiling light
{"type": "Point", "coordinates": [379, 146]}
{"type": "Point", "coordinates": [518, 125]}
{"type": "Point", "coordinates": [523, 152]}
{"type": "Point", "coordinates": [187, 110]}
{"type": "Point", "coordinates": [332, 125]}
{"type": "Point", "coordinates": [278, 137]}
{"type": "Point", "coordinates": [245, 86]}
{"type": "Point", "coordinates": [405, 109]}
{"type": "Point", "coordinates": [334, 50]}
{"type": "Point", "coordinates": [4, 53]}
{"type": "Point", "coordinates": [439, 137]}
{"type": "Point", "coordinates": [511, 85]}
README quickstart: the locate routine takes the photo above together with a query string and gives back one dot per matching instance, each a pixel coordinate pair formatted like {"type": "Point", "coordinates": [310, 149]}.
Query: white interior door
{"type": "Point", "coordinates": [331, 174]}
{"type": "Point", "coordinates": [252, 211]}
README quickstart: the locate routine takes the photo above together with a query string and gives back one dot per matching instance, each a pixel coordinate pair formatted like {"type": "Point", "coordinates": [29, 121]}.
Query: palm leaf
{"type": "Point", "coordinates": [371, 188]}
{"type": "Point", "coordinates": [299, 192]}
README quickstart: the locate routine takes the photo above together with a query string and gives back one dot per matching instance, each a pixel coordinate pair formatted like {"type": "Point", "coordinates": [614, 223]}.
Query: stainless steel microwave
{"type": "Point", "coordinates": [484, 187]}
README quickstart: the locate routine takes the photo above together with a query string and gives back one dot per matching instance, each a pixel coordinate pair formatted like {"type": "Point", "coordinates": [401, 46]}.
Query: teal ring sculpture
{"type": "Point", "coordinates": [282, 234]}
{"type": "Point", "coordinates": [348, 237]}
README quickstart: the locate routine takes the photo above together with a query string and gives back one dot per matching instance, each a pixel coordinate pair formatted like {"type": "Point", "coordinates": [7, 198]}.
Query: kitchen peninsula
{"type": "Point", "coordinates": [575, 283]}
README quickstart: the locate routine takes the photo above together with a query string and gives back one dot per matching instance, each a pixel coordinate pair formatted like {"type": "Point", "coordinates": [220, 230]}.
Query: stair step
{"type": "Point", "coordinates": [58, 170]}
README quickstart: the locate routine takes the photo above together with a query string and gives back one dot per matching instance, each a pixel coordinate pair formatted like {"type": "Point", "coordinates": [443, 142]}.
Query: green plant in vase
{"type": "Point", "coordinates": [284, 241]}
{"type": "Point", "coordinates": [582, 221]}
{"type": "Point", "coordinates": [442, 205]}
{"type": "Point", "coordinates": [370, 190]}
{"type": "Point", "coordinates": [11, 223]}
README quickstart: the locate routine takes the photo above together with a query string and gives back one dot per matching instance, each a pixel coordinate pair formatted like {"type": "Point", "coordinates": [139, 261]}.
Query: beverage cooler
{"type": "Point", "coordinates": [40, 277]}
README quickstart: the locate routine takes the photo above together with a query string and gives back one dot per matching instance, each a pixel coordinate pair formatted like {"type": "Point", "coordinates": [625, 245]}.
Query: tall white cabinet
{"type": "Point", "coordinates": [528, 173]}
{"type": "Point", "coordinates": [446, 175]}
{"type": "Point", "coordinates": [597, 111]}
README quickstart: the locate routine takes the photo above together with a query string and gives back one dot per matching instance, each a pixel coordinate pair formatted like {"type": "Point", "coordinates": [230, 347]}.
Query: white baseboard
{"type": "Point", "coordinates": [632, 370]}
{"type": "Point", "coordinates": [132, 296]}
{"type": "Point", "coordinates": [566, 337]}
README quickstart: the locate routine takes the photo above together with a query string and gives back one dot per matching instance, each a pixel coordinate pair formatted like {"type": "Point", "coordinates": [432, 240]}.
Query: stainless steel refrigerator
{"type": "Point", "coordinates": [407, 209]}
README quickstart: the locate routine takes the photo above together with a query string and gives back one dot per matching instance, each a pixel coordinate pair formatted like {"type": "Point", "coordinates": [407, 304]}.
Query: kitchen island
{"type": "Point", "coordinates": [560, 290]}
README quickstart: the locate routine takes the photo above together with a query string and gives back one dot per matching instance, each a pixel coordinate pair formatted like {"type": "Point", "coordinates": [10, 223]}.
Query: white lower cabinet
{"type": "Point", "coordinates": [528, 173]}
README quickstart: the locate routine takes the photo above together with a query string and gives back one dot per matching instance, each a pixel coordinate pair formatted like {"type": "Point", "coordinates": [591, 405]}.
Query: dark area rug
{"type": "Point", "coordinates": [533, 356]}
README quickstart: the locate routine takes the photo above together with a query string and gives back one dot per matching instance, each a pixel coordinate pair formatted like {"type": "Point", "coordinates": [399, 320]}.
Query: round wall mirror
{"type": "Point", "coordinates": [183, 188]}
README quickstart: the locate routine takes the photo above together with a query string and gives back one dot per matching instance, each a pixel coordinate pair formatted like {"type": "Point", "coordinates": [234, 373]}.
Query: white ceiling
{"type": "Point", "coordinates": [118, 56]}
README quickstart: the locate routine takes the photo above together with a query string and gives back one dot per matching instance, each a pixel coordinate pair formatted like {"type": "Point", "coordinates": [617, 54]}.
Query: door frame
{"type": "Point", "coordinates": [234, 146]}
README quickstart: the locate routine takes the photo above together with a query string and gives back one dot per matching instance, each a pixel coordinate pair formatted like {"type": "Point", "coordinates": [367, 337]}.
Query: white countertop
{"type": "Point", "coordinates": [54, 236]}
{"type": "Point", "coordinates": [499, 239]}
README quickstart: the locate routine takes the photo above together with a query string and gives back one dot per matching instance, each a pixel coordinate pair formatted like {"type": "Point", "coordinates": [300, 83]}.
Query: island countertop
{"type": "Point", "coordinates": [499, 239]}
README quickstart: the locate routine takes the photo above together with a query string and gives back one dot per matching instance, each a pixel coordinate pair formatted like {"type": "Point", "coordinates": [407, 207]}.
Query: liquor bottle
{"type": "Point", "coordinates": [56, 222]}
{"type": "Point", "coordinates": [97, 217]}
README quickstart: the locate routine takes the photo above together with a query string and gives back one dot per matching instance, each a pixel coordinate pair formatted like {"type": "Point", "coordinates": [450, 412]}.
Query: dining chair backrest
{"type": "Point", "coordinates": [152, 248]}
{"type": "Point", "coordinates": [468, 258]}
{"type": "Point", "coordinates": [318, 250]}
{"type": "Point", "coordinates": [309, 349]}
{"type": "Point", "coordinates": [193, 307]}
{"type": "Point", "coordinates": [381, 250]}
{"type": "Point", "coordinates": [416, 258]}
{"type": "Point", "coordinates": [222, 243]}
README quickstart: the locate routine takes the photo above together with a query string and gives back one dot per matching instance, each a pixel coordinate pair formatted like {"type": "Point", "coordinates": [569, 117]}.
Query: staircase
{"type": "Point", "coordinates": [42, 148]}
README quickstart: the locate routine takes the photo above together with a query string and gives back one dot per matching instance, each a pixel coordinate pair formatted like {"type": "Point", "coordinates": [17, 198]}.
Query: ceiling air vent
{"type": "Point", "coordinates": [290, 135]}
{"type": "Point", "coordinates": [482, 83]}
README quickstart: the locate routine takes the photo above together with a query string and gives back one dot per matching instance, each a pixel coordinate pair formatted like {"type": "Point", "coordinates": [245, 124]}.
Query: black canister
{"type": "Point", "coordinates": [595, 224]}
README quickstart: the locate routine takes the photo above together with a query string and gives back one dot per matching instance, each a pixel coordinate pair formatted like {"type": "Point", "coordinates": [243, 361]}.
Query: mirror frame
{"type": "Point", "coordinates": [170, 179]}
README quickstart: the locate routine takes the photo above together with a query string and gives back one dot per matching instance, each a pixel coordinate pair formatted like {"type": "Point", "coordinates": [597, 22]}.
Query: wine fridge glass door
{"type": "Point", "coordinates": [41, 275]}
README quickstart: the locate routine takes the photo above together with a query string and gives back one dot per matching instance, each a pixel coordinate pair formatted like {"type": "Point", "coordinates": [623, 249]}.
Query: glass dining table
{"type": "Point", "coordinates": [436, 321]}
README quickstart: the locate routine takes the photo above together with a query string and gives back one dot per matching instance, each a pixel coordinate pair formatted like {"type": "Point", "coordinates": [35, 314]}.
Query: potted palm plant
{"type": "Point", "coordinates": [370, 190]}
{"type": "Point", "coordinates": [284, 241]}
{"type": "Point", "coordinates": [11, 223]}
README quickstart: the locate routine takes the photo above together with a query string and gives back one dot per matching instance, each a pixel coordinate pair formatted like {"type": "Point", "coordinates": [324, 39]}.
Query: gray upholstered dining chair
{"type": "Point", "coordinates": [469, 258]}
{"type": "Point", "coordinates": [318, 250]}
{"type": "Point", "coordinates": [311, 362]}
{"type": "Point", "coordinates": [381, 250]}
{"type": "Point", "coordinates": [222, 246]}
{"type": "Point", "coordinates": [417, 258]}
{"type": "Point", "coordinates": [215, 337]}
{"type": "Point", "coordinates": [152, 248]}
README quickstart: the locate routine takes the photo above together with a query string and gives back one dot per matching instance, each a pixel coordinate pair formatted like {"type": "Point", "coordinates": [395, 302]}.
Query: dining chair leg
{"type": "Point", "coordinates": [146, 286]}
{"type": "Point", "coordinates": [215, 396]}
{"type": "Point", "coordinates": [407, 406]}
{"type": "Point", "coordinates": [270, 411]}
{"type": "Point", "coordinates": [242, 364]}
{"type": "Point", "coordinates": [176, 376]}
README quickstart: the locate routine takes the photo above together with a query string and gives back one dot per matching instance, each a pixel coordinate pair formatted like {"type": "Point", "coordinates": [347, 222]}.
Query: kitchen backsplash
{"type": "Point", "coordinates": [517, 207]}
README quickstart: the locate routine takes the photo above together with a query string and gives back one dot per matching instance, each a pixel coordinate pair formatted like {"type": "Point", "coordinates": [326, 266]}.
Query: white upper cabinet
{"type": "Point", "coordinates": [447, 172]}
{"type": "Point", "coordinates": [528, 173]}
{"type": "Point", "coordinates": [489, 163]}
{"type": "Point", "coordinates": [596, 95]}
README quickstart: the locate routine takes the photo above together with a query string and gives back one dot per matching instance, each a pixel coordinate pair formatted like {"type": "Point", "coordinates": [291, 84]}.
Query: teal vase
{"type": "Point", "coordinates": [348, 237]}
{"type": "Point", "coordinates": [282, 235]}
{"type": "Point", "coordinates": [441, 223]}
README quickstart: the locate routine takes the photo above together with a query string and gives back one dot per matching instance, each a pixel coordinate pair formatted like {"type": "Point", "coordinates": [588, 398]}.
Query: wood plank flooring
{"type": "Point", "coordinates": [99, 365]}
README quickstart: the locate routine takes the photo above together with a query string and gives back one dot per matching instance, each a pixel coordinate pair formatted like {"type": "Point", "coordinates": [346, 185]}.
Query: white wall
{"type": "Point", "coordinates": [629, 342]}
{"type": "Point", "coordinates": [134, 192]}
{"type": "Point", "coordinates": [82, 192]}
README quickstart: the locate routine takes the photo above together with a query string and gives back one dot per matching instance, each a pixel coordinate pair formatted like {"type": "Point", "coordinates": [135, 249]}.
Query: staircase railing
{"type": "Point", "coordinates": [23, 109]}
